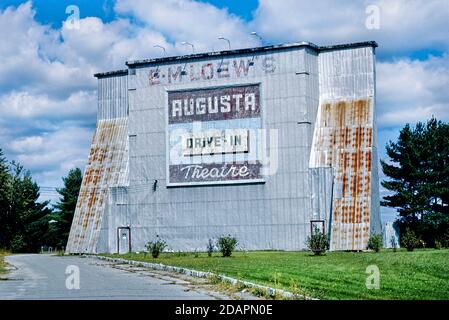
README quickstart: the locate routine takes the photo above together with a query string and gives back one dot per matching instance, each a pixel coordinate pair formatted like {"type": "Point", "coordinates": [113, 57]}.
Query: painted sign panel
{"type": "Point", "coordinates": [213, 135]}
{"type": "Point", "coordinates": [214, 104]}
{"type": "Point", "coordinates": [204, 71]}
{"type": "Point", "coordinates": [212, 142]}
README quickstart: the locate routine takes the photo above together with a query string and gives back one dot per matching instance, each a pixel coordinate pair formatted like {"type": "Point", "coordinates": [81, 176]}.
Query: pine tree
{"type": "Point", "coordinates": [419, 179]}
{"type": "Point", "coordinates": [30, 217]}
{"type": "Point", "coordinates": [5, 233]}
{"type": "Point", "coordinates": [66, 206]}
{"type": "Point", "coordinates": [23, 219]}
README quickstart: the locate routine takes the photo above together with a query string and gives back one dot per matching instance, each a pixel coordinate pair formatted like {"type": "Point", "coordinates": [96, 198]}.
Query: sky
{"type": "Point", "coordinates": [48, 93]}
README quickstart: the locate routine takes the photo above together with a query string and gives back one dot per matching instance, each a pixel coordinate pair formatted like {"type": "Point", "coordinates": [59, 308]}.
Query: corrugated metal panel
{"type": "Point", "coordinates": [343, 140]}
{"type": "Point", "coordinates": [321, 186]}
{"type": "Point", "coordinates": [107, 165]}
{"type": "Point", "coordinates": [113, 97]}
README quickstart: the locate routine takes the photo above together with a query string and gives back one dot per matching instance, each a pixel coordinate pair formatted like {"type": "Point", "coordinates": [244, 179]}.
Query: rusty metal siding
{"type": "Point", "coordinates": [107, 165]}
{"type": "Point", "coordinates": [343, 139]}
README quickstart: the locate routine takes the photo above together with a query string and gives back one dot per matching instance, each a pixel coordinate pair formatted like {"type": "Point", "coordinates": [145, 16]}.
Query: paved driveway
{"type": "Point", "coordinates": [44, 277]}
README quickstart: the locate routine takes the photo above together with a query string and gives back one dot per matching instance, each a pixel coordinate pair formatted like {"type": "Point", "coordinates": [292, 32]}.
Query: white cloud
{"type": "Point", "coordinates": [404, 24]}
{"type": "Point", "coordinates": [106, 46]}
{"type": "Point", "coordinates": [27, 144]}
{"type": "Point", "coordinates": [28, 56]}
{"type": "Point", "coordinates": [412, 91]}
{"type": "Point", "coordinates": [57, 151]}
{"type": "Point", "coordinates": [196, 22]}
{"type": "Point", "coordinates": [23, 105]}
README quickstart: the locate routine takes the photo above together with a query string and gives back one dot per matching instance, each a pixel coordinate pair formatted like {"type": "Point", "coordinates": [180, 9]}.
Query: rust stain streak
{"type": "Point", "coordinates": [349, 150]}
{"type": "Point", "coordinates": [105, 163]}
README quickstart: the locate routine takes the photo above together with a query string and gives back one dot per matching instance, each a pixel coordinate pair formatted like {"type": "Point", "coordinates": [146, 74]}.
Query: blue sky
{"type": "Point", "coordinates": [47, 92]}
{"type": "Point", "coordinates": [53, 11]}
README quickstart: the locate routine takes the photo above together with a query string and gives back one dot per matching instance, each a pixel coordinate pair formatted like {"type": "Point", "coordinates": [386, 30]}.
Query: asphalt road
{"type": "Point", "coordinates": [44, 277]}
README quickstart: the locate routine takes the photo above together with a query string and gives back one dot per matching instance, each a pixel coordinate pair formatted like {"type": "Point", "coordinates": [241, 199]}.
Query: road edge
{"type": "Point", "coordinates": [202, 274]}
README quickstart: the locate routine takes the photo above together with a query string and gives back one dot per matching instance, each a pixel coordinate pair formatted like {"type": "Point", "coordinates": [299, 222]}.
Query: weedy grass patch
{"type": "Point", "coordinates": [421, 274]}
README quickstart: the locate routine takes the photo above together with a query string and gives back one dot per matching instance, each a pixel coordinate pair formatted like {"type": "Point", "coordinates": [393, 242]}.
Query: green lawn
{"type": "Point", "coordinates": [422, 274]}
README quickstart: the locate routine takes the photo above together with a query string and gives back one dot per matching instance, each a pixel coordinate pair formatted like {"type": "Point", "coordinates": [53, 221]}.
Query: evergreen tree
{"type": "Point", "coordinates": [66, 206]}
{"type": "Point", "coordinates": [419, 179]}
{"type": "Point", "coordinates": [30, 217]}
{"type": "Point", "coordinates": [5, 233]}
{"type": "Point", "coordinates": [23, 220]}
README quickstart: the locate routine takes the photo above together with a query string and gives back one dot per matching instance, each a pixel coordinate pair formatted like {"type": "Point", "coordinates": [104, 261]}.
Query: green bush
{"type": "Point", "coordinates": [409, 240]}
{"type": "Point", "coordinates": [375, 242]}
{"type": "Point", "coordinates": [18, 244]}
{"type": "Point", "coordinates": [318, 242]}
{"type": "Point", "coordinates": [226, 245]}
{"type": "Point", "coordinates": [438, 245]}
{"type": "Point", "coordinates": [156, 247]}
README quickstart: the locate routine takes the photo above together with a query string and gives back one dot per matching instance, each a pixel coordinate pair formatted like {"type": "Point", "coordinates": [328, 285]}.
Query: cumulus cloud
{"type": "Point", "coordinates": [412, 90]}
{"type": "Point", "coordinates": [55, 150]}
{"type": "Point", "coordinates": [29, 59]}
{"type": "Point", "coordinates": [404, 25]}
{"type": "Point", "coordinates": [22, 105]}
{"type": "Point", "coordinates": [197, 22]}
{"type": "Point", "coordinates": [106, 46]}
{"type": "Point", "coordinates": [51, 155]}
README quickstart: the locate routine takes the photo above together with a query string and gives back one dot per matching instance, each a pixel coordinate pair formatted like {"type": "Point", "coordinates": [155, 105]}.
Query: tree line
{"type": "Point", "coordinates": [27, 224]}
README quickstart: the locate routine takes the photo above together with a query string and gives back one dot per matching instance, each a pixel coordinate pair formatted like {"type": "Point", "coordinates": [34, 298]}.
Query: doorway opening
{"type": "Point", "coordinates": [123, 240]}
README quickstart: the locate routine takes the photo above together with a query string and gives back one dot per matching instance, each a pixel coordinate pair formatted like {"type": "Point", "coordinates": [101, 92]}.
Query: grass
{"type": "Point", "coordinates": [421, 274]}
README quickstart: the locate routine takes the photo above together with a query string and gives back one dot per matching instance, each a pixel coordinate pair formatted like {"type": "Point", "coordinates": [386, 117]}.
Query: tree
{"type": "Point", "coordinates": [28, 222]}
{"type": "Point", "coordinates": [418, 175]}
{"type": "Point", "coordinates": [5, 179]}
{"type": "Point", "coordinates": [66, 206]}
{"type": "Point", "coordinates": [23, 220]}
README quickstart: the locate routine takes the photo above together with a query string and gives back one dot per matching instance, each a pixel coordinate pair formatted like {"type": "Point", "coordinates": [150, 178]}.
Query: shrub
{"type": "Point", "coordinates": [210, 247]}
{"type": "Point", "coordinates": [156, 247]}
{"type": "Point", "coordinates": [375, 242]}
{"type": "Point", "coordinates": [226, 245]}
{"type": "Point", "coordinates": [409, 240]}
{"type": "Point", "coordinates": [318, 242]}
{"type": "Point", "coordinates": [438, 245]}
{"type": "Point", "coordinates": [18, 244]}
